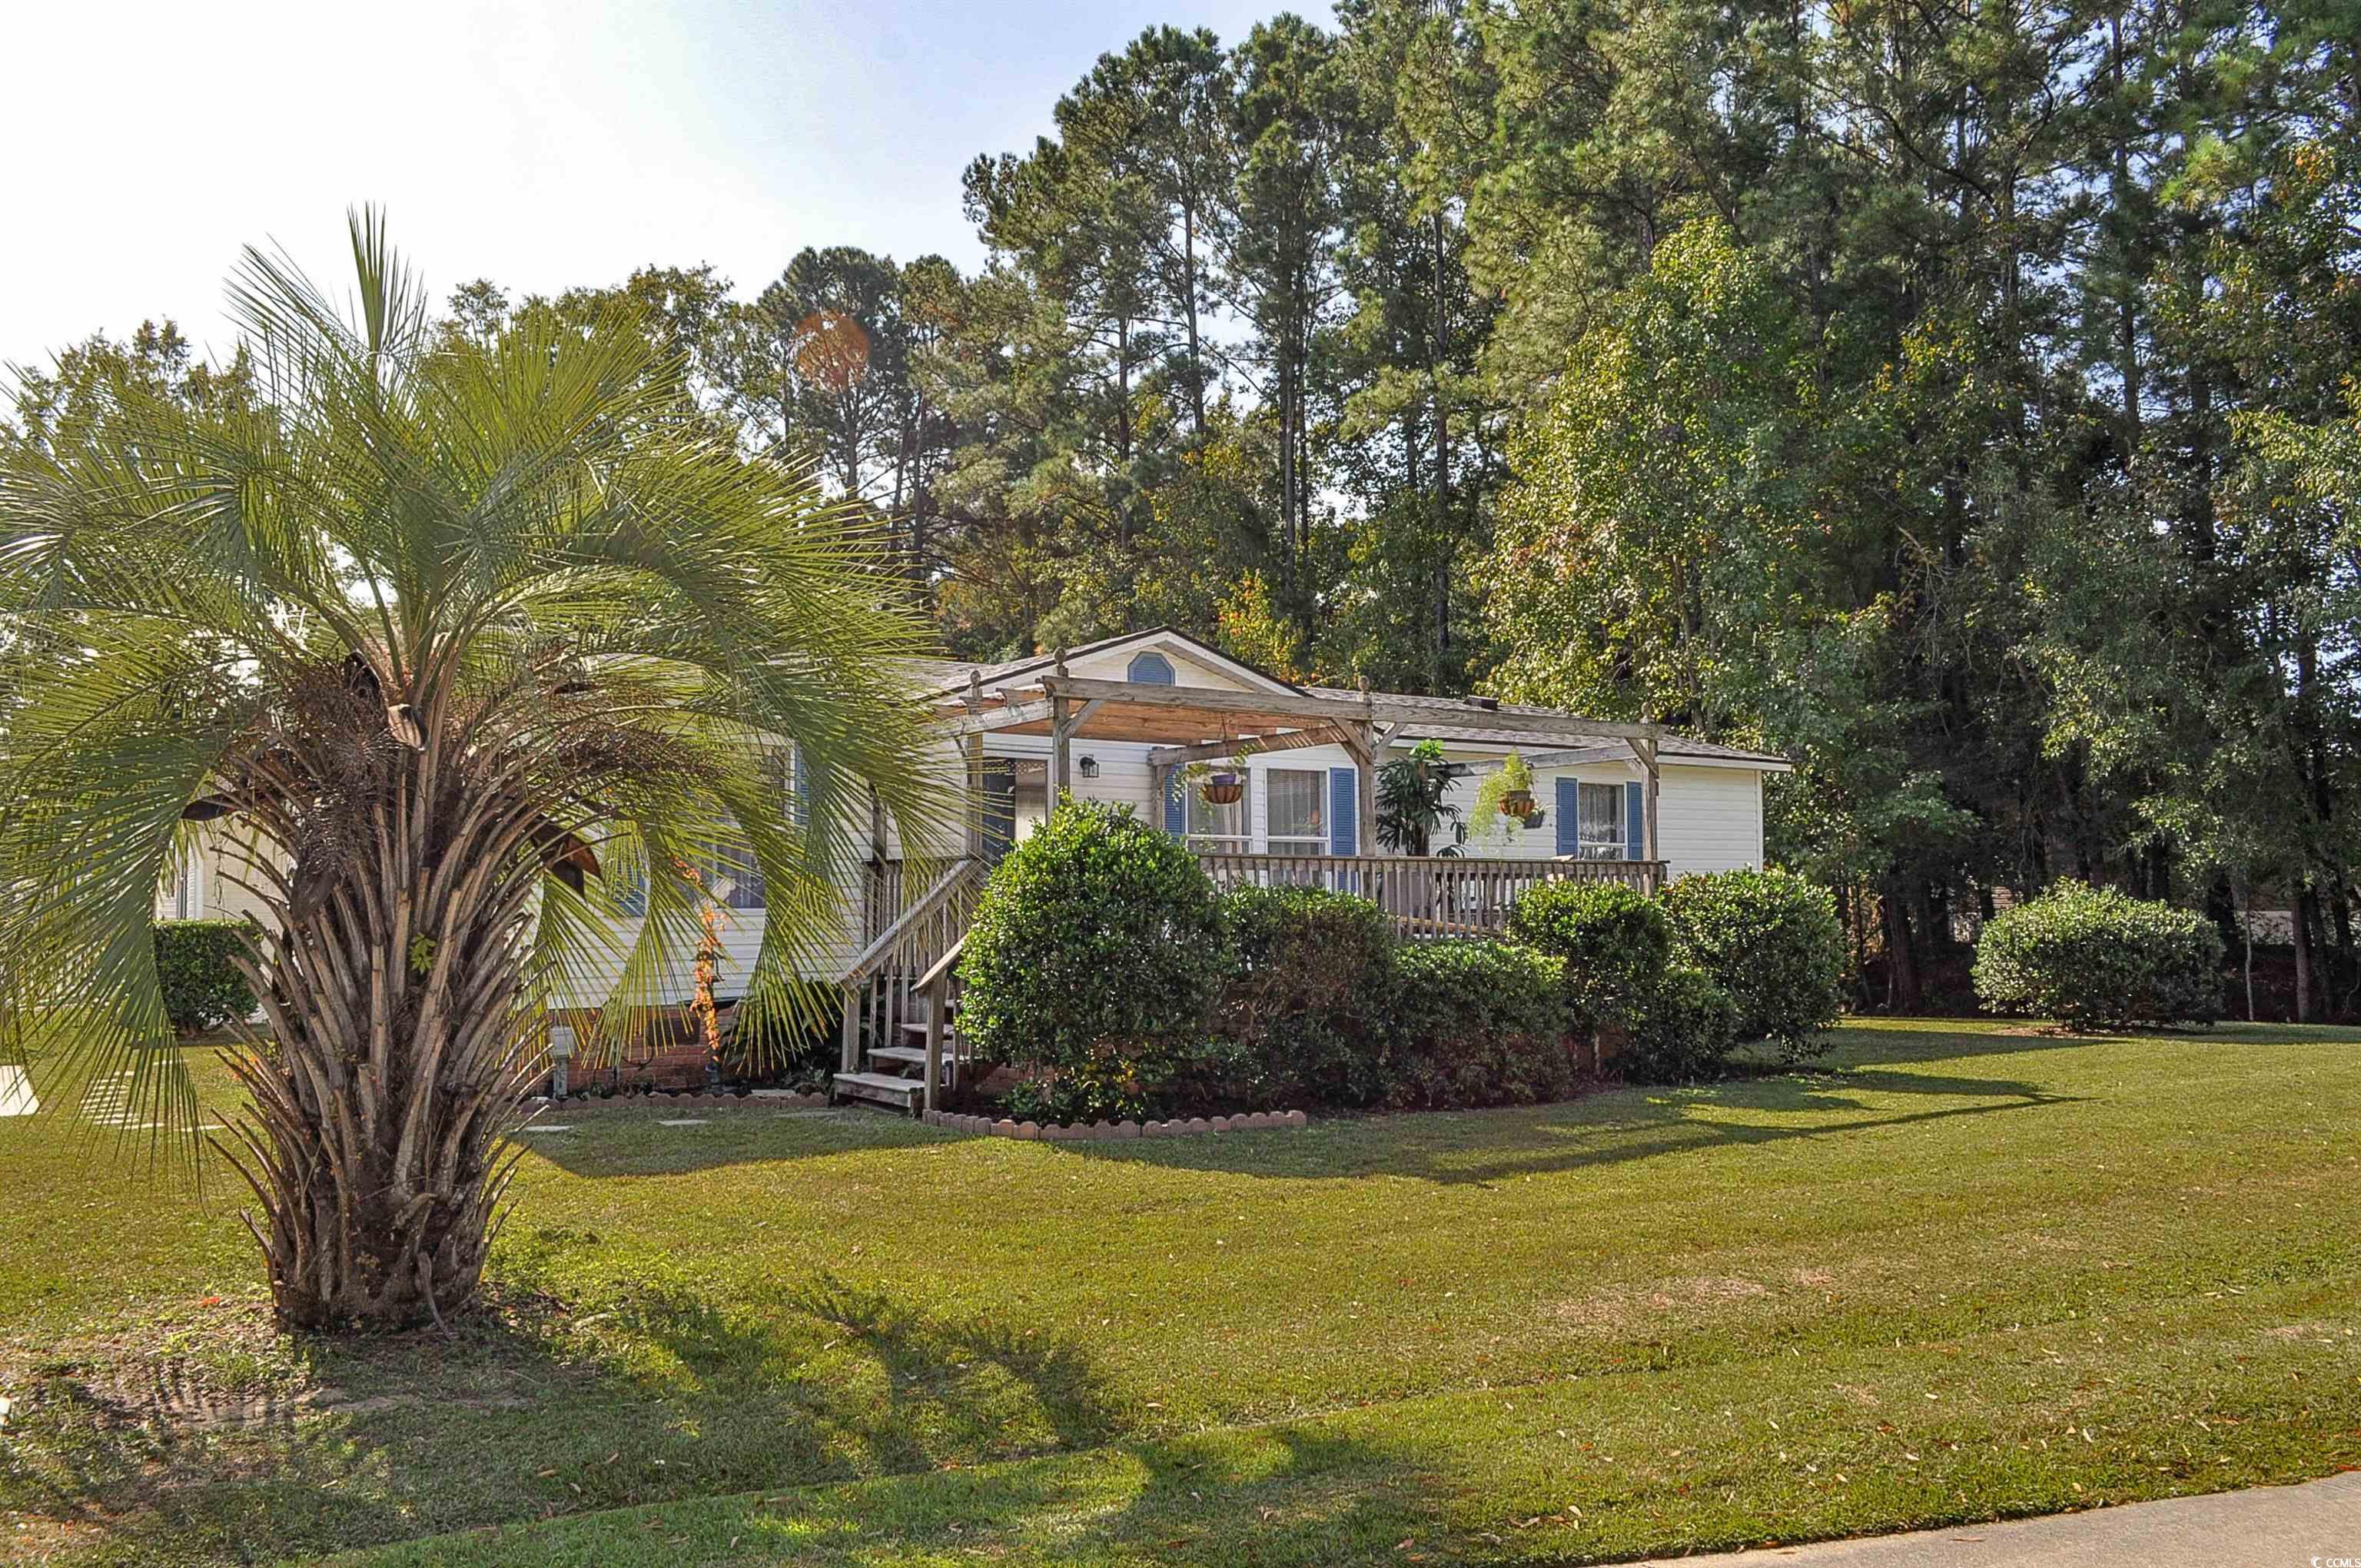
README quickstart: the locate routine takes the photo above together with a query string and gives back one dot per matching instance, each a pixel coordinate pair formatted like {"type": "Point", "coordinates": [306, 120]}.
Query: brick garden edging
{"type": "Point", "coordinates": [759, 1100]}
{"type": "Point", "coordinates": [1105, 1132]}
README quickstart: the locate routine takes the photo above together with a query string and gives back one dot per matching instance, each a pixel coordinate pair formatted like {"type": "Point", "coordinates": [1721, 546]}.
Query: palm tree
{"type": "Point", "coordinates": [465, 646]}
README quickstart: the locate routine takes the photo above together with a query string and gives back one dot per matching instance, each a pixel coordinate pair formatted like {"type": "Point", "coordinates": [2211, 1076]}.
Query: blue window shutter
{"type": "Point", "coordinates": [1569, 817]}
{"type": "Point", "coordinates": [799, 807]}
{"type": "Point", "coordinates": [1344, 811]}
{"type": "Point", "coordinates": [1176, 805]}
{"type": "Point", "coordinates": [1635, 826]}
{"type": "Point", "coordinates": [1151, 670]}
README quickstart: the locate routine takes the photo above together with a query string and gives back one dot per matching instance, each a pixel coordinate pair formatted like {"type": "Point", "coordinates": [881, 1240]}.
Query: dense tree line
{"type": "Point", "coordinates": [1955, 397]}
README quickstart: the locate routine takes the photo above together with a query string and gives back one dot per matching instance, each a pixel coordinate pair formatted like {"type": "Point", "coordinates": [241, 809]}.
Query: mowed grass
{"type": "Point", "coordinates": [1967, 1271]}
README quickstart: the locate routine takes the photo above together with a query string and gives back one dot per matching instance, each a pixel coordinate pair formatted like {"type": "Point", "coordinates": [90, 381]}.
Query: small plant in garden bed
{"type": "Point", "coordinates": [1481, 1023]}
{"type": "Point", "coordinates": [1682, 1031]}
{"type": "Point", "coordinates": [1303, 1018]}
{"type": "Point", "coordinates": [1613, 940]}
{"type": "Point", "coordinates": [1668, 1021]}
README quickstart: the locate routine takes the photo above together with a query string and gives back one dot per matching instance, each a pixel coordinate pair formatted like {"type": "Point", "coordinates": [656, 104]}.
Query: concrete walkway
{"type": "Point", "coordinates": [2316, 1525]}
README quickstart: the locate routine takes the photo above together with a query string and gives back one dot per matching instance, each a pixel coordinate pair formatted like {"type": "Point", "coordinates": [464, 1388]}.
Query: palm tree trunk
{"type": "Point", "coordinates": [392, 1068]}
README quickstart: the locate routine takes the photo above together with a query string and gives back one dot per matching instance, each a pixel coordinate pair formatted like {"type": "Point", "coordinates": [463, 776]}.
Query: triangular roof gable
{"type": "Point", "coordinates": [1162, 639]}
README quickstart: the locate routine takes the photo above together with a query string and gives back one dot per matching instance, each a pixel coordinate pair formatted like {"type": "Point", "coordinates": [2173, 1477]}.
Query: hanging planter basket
{"type": "Point", "coordinates": [1516, 803]}
{"type": "Point", "coordinates": [1223, 789]}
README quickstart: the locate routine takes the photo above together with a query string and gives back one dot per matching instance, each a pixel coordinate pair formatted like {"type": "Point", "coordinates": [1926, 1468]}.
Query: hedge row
{"type": "Point", "coordinates": [201, 990]}
{"type": "Point", "coordinates": [1105, 966]}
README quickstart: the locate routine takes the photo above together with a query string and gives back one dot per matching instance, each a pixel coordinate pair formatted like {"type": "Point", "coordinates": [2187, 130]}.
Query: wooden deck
{"type": "Point", "coordinates": [1427, 896]}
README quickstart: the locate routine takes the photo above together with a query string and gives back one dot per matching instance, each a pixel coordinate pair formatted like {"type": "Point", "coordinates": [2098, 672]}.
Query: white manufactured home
{"type": "Point", "coordinates": [1133, 719]}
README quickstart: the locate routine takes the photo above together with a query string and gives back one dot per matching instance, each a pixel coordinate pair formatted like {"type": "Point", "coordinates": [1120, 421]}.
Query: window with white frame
{"type": "Point", "coordinates": [188, 894]}
{"type": "Point", "coordinates": [729, 875]}
{"type": "Point", "coordinates": [1600, 822]}
{"type": "Point", "coordinates": [1222, 829]}
{"type": "Point", "coordinates": [1298, 811]}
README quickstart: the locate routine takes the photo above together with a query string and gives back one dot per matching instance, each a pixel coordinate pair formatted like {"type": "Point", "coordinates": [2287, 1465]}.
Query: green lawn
{"type": "Point", "coordinates": [1967, 1272]}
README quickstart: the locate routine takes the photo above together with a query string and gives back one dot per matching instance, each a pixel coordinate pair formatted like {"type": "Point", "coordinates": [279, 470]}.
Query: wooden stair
{"type": "Point", "coordinates": [895, 1075]}
{"type": "Point", "coordinates": [904, 1094]}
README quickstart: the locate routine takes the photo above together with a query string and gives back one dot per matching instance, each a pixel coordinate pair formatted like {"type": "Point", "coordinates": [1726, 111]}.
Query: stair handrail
{"type": "Point", "coordinates": [942, 965]}
{"type": "Point", "coordinates": [961, 874]}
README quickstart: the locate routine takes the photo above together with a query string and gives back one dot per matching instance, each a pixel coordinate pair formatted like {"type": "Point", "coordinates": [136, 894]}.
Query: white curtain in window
{"type": "Point", "coordinates": [1299, 819]}
{"type": "Point", "coordinates": [1602, 822]}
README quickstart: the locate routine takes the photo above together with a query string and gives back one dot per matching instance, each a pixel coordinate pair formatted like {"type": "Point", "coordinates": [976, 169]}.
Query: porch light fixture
{"type": "Point", "coordinates": [1090, 767]}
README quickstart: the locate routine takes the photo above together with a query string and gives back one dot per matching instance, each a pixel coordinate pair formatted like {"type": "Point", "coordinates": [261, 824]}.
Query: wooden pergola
{"type": "Point", "coordinates": [1186, 724]}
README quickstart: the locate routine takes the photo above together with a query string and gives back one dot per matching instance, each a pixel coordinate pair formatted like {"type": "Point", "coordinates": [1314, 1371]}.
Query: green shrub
{"type": "Point", "coordinates": [1614, 943]}
{"type": "Point", "coordinates": [1308, 996]}
{"type": "Point", "coordinates": [1481, 1023]}
{"type": "Point", "coordinates": [1118, 1082]}
{"type": "Point", "coordinates": [1773, 942]}
{"type": "Point", "coordinates": [1682, 1029]}
{"type": "Point", "coordinates": [1096, 954]}
{"type": "Point", "coordinates": [201, 990]}
{"type": "Point", "coordinates": [2096, 957]}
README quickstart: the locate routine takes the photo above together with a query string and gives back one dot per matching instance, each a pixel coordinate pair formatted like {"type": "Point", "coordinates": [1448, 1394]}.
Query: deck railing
{"type": "Point", "coordinates": [1427, 896]}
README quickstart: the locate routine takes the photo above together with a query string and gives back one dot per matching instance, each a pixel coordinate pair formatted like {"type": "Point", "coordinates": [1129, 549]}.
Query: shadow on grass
{"type": "Point", "coordinates": [1765, 1102]}
{"type": "Point", "coordinates": [605, 1144]}
{"type": "Point", "coordinates": [1611, 1128]}
{"type": "Point", "coordinates": [649, 1395]}
{"type": "Point", "coordinates": [1296, 1494]}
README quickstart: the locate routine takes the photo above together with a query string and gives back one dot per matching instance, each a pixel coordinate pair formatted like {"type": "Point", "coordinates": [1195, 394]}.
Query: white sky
{"type": "Point", "coordinates": [539, 143]}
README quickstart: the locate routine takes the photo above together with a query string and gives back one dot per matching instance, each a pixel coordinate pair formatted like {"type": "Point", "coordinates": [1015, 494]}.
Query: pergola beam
{"type": "Point", "coordinates": [1012, 717]}
{"type": "Point", "coordinates": [1208, 750]}
{"type": "Point", "coordinates": [1539, 723]}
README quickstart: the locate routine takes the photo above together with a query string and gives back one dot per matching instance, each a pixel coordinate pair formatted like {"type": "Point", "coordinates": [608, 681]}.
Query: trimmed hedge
{"type": "Point", "coordinates": [1773, 941]}
{"type": "Point", "coordinates": [1682, 1030]}
{"type": "Point", "coordinates": [201, 990]}
{"type": "Point", "coordinates": [1481, 1023]}
{"type": "Point", "coordinates": [1614, 942]}
{"type": "Point", "coordinates": [1095, 961]}
{"type": "Point", "coordinates": [2096, 957]}
{"type": "Point", "coordinates": [1310, 995]}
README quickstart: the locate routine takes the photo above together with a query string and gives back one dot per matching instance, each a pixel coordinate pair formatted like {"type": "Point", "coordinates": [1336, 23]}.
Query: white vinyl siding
{"type": "Point", "coordinates": [1710, 819]}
